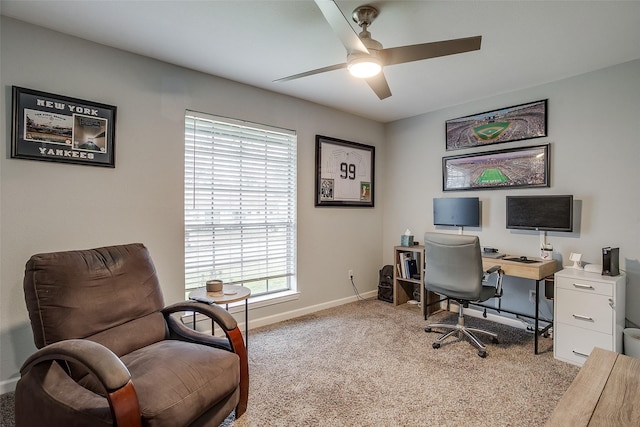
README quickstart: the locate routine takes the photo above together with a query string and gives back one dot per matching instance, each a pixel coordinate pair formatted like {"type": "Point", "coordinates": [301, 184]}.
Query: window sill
{"type": "Point", "coordinates": [265, 300]}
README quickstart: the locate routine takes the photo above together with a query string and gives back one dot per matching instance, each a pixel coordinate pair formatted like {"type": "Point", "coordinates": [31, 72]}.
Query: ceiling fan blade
{"type": "Point", "coordinates": [379, 85]}
{"type": "Point", "coordinates": [417, 52]}
{"type": "Point", "coordinates": [312, 72]}
{"type": "Point", "coordinates": [341, 26]}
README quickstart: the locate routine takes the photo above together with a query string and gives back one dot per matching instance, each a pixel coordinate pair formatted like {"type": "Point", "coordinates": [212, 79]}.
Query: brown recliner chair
{"type": "Point", "coordinates": [111, 354]}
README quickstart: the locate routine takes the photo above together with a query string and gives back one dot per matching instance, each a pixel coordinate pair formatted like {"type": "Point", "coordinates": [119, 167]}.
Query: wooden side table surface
{"type": "Point", "coordinates": [229, 294]}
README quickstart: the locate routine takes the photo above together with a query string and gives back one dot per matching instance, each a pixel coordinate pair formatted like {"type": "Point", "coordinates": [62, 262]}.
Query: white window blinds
{"type": "Point", "coordinates": [240, 203]}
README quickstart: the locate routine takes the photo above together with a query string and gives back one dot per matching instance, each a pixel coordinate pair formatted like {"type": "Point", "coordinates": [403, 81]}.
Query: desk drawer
{"type": "Point", "coordinates": [573, 344]}
{"type": "Point", "coordinates": [588, 286]}
{"type": "Point", "coordinates": [584, 310]}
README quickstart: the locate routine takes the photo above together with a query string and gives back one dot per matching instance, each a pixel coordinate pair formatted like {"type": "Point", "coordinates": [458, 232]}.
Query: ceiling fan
{"type": "Point", "coordinates": [366, 56]}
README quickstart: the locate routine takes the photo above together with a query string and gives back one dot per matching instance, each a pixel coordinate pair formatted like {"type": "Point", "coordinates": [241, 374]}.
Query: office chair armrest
{"type": "Point", "coordinates": [493, 269]}
{"type": "Point", "coordinates": [107, 368]}
{"type": "Point", "coordinates": [496, 269]}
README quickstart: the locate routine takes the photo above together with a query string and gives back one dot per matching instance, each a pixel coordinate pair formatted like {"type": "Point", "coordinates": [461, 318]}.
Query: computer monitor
{"type": "Point", "coordinates": [544, 212]}
{"type": "Point", "coordinates": [456, 211]}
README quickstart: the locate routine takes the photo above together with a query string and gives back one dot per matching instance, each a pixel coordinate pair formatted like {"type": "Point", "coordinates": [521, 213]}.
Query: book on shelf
{"type": "Point", "coordinates": [413, 268]}
{"type": "Point", "coordinates": [407, 265]}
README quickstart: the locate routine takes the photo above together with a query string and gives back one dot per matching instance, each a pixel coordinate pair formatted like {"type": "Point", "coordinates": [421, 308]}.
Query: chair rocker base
{"type": "Point", "coordinates": [460, 330]}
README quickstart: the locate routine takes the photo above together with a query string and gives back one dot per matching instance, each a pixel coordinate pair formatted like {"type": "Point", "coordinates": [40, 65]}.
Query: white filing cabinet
{"type": "Point", "coordinates": [589, 312]}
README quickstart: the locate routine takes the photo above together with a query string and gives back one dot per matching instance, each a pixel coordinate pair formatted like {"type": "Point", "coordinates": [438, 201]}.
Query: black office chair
{"type": "Point", "coordinates": [454, 269]}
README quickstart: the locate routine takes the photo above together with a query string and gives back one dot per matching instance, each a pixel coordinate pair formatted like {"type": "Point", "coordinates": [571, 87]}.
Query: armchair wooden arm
{"type": "Point", "coordinates": [234, 341]}
{"type": "Point", "coordinates": [102, 363]}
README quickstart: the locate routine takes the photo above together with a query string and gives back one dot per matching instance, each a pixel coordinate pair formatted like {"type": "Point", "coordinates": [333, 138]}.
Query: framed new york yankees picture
{"type": "Point", "coordinates": [59, 128]}
{"type": "Point", "coordinates": [344, 173]}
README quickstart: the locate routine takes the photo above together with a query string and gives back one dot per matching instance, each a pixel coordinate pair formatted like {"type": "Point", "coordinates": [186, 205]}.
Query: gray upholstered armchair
{"type": "Point", "coordinates": [454, 269]}
{"type": "Point", "coordinates": [111, 354]}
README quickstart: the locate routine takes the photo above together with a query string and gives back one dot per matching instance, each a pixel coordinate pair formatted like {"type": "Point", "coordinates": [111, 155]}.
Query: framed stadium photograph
{"type": "Point", "coordinates": [344, 173]}
{"type": "Point", "coordinates": [524, 121]}
{"type": "Point", "coordinates": [511, 168]}
{"type": "Point", "coordinates": [58, 128]}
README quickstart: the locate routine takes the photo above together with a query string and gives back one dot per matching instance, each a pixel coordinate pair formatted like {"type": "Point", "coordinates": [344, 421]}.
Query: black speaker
{"type": "Point", "coordinates": [610, 261]}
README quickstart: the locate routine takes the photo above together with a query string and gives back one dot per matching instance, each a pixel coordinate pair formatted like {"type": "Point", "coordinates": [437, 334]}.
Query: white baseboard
{"type": "Point", "coordinates": [269, 320]}
{"type": "Point", "coordinates": [509, 321]}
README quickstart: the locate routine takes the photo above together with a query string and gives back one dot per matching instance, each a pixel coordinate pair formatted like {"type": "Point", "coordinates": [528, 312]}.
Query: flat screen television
{"type": "Point", "coordinates": [456, 211]}
{"type": "Point", "coordinates": [544, 213]}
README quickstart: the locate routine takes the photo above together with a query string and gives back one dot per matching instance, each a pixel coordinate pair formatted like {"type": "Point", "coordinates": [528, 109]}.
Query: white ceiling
{"type": "Point", "coordinates": [524, 43]}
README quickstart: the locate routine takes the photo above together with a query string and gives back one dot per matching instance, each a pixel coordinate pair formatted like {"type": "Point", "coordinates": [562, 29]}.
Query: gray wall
{"type": "Point", "coordinates": [53, 206]}
{"type": "Point", "coordinates": [594, 131]}
{"type": "Point", "coordinates": [594, 123]}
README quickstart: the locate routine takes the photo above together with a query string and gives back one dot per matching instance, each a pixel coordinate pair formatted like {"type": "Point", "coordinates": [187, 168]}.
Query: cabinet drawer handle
{"type": "Point", "coordinates": [581, 286]}
{"type": "Point", "coordinates": [579, 316]}
{"type": "Point", "coordinates": [577, 353]}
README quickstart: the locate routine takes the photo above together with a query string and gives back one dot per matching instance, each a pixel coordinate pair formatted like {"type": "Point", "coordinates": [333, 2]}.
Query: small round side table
{"type": "Point", "coordinates": [229, 294]}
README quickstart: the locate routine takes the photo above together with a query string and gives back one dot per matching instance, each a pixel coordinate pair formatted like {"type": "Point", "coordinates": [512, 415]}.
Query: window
{"type": "Point", "coordinates": [240, 204]}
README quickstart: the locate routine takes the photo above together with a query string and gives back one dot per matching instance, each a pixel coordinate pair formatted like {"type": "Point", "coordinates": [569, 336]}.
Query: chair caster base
{"type": "Point", "coordinates": [482, 353]}
{"type": "Point", "coordinates": [495, 340]}
{"type": "Point", "coordinates": [435, 345]}
{"type": "Point", "coordinates": [427, 329]}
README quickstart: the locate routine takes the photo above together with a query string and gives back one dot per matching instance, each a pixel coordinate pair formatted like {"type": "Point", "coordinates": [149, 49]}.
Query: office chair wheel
{"type": "Point", "coordinates": [435, 345]}
{"type": "Point", "coordinates": [482, 353]}
{"type": "Point", "coordinates": [427, 329]}
{"type": "Point", "coordinates": [494, 340]}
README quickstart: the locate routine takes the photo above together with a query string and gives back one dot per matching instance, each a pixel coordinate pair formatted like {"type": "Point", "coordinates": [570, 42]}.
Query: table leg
{"type": "Point", "coordinates": [535, 343]}
{"type": "Point", "coordinates": [246, 323]}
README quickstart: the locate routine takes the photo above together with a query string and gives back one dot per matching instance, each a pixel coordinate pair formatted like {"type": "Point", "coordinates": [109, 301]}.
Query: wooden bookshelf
{"type": "Point", "coordinates": [403, 282]}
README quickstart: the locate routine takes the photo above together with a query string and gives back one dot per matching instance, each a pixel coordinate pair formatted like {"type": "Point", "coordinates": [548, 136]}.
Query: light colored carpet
{"type": "Point", "coordinates": [371, 364]}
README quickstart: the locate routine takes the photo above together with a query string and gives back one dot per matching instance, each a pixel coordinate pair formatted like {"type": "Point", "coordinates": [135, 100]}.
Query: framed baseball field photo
{"type": "Point", "coordinates": [59, 128]}
{"type": "Point", "coordinates": [519, 122]}
{"type": "Point", "coordinates": [344, 173]}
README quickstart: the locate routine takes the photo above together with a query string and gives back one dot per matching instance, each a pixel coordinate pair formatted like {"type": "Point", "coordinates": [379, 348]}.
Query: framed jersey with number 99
{"type": "Point", "coordinates": [344, 173]}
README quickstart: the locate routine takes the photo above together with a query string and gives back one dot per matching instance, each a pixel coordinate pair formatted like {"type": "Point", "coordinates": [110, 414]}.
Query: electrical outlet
{"type": "Point", "coordinates": [350, 274]}
{"type": "Point", "coordinates": [532, 296]}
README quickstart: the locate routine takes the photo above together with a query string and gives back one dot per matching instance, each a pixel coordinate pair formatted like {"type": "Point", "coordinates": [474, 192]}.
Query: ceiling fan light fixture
{"type": "Point", "coordinates": [364, 66]}
{"type": "Point", "coordinates": [366, 56]}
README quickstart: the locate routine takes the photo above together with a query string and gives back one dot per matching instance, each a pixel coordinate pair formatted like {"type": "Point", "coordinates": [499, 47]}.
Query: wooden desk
{"type": "Point", "coordinates": [535, 271]}
{"type": "Point", "coordinates": [605, 392]}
